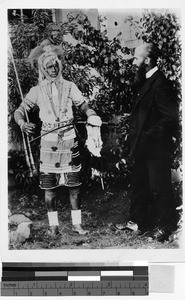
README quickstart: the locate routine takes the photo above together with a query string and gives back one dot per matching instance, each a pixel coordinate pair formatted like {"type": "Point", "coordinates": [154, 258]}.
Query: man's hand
{"type": "Point", "coordinates": [28, 128]}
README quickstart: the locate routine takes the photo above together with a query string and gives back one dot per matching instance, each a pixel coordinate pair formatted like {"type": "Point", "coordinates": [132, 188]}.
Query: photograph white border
{"type": "Point", "coordinates": [69, 255]}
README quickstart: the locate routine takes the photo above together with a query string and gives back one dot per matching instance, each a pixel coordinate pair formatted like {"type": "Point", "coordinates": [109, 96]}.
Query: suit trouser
{"type": "Point", "coordinates": [152, 201]}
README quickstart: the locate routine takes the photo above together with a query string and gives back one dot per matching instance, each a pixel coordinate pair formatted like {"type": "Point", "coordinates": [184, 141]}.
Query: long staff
{"type": "Point", "coordinates": [66, 125]}
{"type": "Point", "coordinates": [26, 143]}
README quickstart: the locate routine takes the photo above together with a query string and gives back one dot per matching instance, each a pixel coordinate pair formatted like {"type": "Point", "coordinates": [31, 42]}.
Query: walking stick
{"type": "Point", "coordinates": [26, 142]}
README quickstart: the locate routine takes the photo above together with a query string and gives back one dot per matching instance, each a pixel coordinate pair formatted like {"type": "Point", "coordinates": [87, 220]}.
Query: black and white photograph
{"type": "Point", "coordinates": [94, 122]}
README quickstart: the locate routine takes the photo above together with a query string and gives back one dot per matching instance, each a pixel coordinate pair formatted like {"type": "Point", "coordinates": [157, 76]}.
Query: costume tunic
{"type": "Point", "coordinates": [59, 154]}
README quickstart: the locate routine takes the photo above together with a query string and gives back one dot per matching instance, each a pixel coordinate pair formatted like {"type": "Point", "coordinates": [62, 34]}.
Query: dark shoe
{"type": "Point", "coordinates": [161, 235]}
{"type": "Point", "coordinates": [135, 228]}
{"type": "Point", "coordinates": [132, 226]}
{"type": "Point", "coordinates": [129, 225]}
{"type": "Point", "coordinates": [142, 232]}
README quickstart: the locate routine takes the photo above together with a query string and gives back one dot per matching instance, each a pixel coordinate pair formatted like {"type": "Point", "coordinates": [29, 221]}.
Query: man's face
{"type": "Point", "coordinates": [52, 69]}
{"type": "Point", "coordinates": [138, 57]}
{"type": "Point", "coordinates": [141, 66]}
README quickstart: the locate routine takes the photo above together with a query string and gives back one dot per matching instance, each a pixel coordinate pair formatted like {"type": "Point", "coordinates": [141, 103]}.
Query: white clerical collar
{"type": "Point", "coordinates": [151, 72]}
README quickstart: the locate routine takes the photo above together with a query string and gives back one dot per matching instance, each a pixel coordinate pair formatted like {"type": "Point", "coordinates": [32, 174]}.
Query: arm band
{"type": "Point", "coordinates": [22, 125]}
{"type": "Point", "coordinates": [19, 115]}
{"type": "Point", "coordinates": [85, 107]}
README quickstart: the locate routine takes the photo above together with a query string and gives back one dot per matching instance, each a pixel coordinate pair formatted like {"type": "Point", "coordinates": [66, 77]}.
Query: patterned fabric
{"type": "Point", "coordinates": [60, 162]}
{"type": "Point", "coordinates": [59, 154]}
{"type": "Point", "coordinates": [51, 181]}
{"type": "Point", "coordinates": [41, 95]}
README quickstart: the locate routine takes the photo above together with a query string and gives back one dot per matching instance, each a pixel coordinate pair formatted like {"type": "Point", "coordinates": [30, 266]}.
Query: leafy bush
{"type": "Point", "coordinates": [26, 35]}
{"type": "Point", "coordinates": [18, 167]}
{"type": "Point", "coordinates": [163, 29]}
{"type": "Point", "coordinates": [99, 68]}
{"type": "Point", "coordinates": [114, 97]}
{"type": "Point", "coordinates": [27, 78]}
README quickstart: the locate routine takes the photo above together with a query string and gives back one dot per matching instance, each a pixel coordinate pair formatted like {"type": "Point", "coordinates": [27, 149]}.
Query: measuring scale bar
{"type": "Point", "coordinates": [72, 288]}
{"type": "Point", "coordinates": [74, 281]}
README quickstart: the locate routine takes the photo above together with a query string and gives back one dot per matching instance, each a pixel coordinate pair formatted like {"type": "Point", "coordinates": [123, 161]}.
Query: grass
{"type": "Point", "coordinates": [101, 210]}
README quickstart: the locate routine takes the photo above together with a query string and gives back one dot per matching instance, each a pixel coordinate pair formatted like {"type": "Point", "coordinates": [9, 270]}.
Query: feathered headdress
{"type": "Point", "coordinates": [45, 46]}
{"type": "Point", "coordinates": [42, 54]}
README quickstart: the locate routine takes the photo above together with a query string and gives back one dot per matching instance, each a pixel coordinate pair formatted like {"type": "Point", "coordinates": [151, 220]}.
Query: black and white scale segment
{"type": "Point", "coordinates": [56, 279]}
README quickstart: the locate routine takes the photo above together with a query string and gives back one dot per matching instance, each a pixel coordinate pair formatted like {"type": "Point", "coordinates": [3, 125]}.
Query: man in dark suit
{"type": "Point", "coordinates": [152, 122]}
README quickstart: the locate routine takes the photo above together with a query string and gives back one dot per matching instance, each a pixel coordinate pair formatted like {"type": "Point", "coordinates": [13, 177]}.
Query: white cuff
{"type": "Point", "coordinates": [76, 216]}
{"type": "Point", "coordinates": [20, 122]}
{"type": "Point", "coordinates": [53, 218]}
{"type": "Point", "coordinates": [21, 125]}
{"type": "Point", "coordinates": [94, 121]}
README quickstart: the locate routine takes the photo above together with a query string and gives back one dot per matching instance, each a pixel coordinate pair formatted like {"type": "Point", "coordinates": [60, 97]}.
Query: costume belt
{"type": "Point", "coordinates": [56, 127]}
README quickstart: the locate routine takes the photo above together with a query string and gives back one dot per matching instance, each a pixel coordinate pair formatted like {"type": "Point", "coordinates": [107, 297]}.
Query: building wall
{"type": "Point", "coordinates": [115, 22]}
{"type": "Point", "coordinates": [92, 14]}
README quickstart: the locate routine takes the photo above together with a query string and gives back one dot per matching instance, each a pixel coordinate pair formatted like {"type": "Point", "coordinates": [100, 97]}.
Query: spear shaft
{"type": "Point", "coordinates": [63, 126]}
{"type": "Point", "coordinates": [26, 143]}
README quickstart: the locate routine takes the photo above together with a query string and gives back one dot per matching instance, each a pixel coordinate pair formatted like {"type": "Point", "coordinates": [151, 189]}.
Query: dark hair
{"type": "Point", "coordinates": [153, 53]}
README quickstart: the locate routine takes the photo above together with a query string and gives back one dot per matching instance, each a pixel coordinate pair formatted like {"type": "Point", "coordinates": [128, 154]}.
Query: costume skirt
{"type": "Point", "coordinates": [60, 162]}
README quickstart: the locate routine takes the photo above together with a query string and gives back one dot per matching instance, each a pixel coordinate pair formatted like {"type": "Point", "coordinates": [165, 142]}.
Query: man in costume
{"type": "Point", "coordinates": [59, 154]}
{"type": "Point", "coordinates": [153, 121]}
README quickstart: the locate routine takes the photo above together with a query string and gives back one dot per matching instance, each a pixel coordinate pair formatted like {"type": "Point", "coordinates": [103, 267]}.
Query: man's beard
{"type": "Point", "coordinates": [140, 76]}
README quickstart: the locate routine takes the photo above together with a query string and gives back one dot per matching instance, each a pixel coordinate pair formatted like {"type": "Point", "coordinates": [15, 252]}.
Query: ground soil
{"type": "Point", "coordinates": [102, 211]}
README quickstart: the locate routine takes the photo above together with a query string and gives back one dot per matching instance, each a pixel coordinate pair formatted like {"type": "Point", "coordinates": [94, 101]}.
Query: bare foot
{"type": "Point", "coordinates": [78, 228]}
{"type": "Point", "coordinates": [53, 231]}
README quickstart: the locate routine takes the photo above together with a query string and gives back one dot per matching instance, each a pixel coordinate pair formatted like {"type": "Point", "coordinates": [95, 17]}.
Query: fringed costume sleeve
{"type": "Point", "coordinates": [29, 102]}
{"type": "Point", "coordinates": [80, 101]}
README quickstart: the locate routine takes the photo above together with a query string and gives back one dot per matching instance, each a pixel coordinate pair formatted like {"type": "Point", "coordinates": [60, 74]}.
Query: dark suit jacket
{"type": "Point", "coordinates": [153, 119]}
